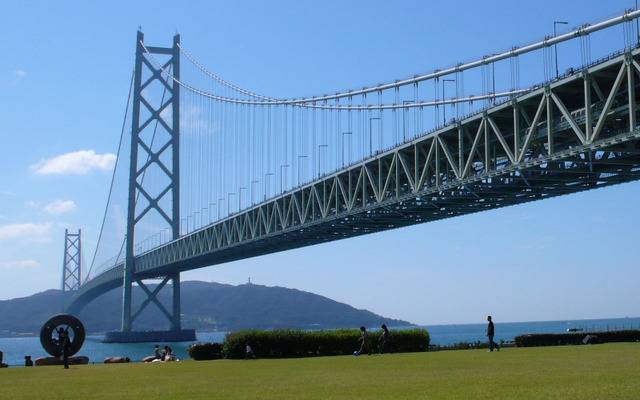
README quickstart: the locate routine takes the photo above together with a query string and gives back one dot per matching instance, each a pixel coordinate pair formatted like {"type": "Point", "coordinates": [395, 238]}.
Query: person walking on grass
{"type": "Point", "coordinates": [384, 338]}
{"type": "Point", "coordinates": [490, 334]}
{"type": "Point", "coordinates": [365, 346]}
{"type": "Point", "coordinates": [249, 352]}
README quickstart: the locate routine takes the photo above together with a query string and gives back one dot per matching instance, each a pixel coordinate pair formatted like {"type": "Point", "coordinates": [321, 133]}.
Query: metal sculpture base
{"type": "Point", "coordinates": [78, 360]}
{"type": "Point", "coordinates": [185, 335]}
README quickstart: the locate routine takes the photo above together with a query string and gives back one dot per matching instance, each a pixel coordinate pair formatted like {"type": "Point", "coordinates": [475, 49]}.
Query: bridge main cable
{"type": "Point", "coordinates": [514, 52]}
{"type": "Point", "coordinates": [303, 102]}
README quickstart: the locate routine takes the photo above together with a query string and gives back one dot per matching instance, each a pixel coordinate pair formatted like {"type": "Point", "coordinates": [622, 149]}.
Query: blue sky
{"type": "Point", "coordinates": [64, 82]}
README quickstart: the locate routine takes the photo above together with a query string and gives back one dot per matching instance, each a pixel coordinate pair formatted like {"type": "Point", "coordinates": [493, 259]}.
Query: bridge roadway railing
{"type": "Point", "coordinates": [574, 134]}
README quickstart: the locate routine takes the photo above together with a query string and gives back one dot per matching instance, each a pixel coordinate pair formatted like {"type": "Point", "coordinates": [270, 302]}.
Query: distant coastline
{"type": "Point", "coordinates": [206, 307]}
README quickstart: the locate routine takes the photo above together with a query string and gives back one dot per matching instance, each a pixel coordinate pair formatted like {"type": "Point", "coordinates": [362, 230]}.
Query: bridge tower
{"type": "Point", "coordinates": [155, 147]}
{"type": "Point", "coordinates": [72, 263]}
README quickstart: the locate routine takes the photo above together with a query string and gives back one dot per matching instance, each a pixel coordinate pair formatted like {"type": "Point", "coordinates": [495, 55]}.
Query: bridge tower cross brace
{"type": "Point", "coordinates": [72, 264]}
{"type": "Point", "coordinates": [145, 154]}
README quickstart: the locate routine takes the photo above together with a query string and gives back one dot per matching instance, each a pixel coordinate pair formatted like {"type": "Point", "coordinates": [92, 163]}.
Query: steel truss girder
{"type": "Point", "coordinates": [552, 141]}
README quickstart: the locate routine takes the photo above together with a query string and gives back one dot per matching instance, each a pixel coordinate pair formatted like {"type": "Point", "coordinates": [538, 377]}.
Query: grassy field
{"type": "Point", "coordinates": [608, 371]}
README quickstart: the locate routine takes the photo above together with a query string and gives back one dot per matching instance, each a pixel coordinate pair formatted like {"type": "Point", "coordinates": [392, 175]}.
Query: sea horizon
{"type": "Point", "coordinates": [531, 321]}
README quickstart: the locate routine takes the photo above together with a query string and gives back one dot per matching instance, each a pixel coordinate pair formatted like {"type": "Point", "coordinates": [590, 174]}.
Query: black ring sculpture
{"type": "Point", "coordinates": [58, 322]}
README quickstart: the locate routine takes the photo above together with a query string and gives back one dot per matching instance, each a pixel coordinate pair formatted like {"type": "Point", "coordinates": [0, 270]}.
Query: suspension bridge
{"type": "Point", "coordinates": [219, 173]}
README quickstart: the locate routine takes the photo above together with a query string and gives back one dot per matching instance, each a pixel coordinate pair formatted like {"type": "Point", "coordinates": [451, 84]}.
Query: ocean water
{"type": "Point", "coordinates": [15, 349]}
{"type": "Point", "coordinates": [450, 334]}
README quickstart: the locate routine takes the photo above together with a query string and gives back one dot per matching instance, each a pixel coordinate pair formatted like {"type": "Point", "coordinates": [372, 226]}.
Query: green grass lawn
{"type": "Point", "coordinates": [608, 371]}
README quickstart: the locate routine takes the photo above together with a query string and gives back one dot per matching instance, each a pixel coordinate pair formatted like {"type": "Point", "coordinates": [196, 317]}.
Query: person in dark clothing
{"type": "Point", "coordinates": [65, 341]}
{"type": "Point", "coordinates": [27, 361]}
{"type": "Point", "coordinates": [490, 334]}
{"type": "Point", "coordinates": [384, 338]}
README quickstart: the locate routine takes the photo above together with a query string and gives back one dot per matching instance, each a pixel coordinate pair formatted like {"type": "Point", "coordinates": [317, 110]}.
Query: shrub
{"type": "Point", "coordinates": [288, 343]}
{"type": "Point", "coordinates": [469, 345]}
{"type": "Point", "coordinates": [559, 339]}
{"type": "Point", "coordinates": [205, 351]}
{"type": "Point", "coordinates": [408, 340]}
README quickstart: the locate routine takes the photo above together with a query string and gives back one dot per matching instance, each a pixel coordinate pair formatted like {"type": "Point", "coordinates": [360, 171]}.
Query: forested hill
{"type": "Point", "coordinates": [205, 307]}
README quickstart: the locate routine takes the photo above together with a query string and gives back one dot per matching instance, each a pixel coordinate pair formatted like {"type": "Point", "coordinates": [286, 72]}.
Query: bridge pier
{"type": "Point", "coordinates": [187, 335]}
{"type": "Point", "coordinates": [175, 334]}
{"type": "Point", "coordinates": [175, 286]}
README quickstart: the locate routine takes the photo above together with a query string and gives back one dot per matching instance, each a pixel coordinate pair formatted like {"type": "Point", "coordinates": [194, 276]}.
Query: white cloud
{"type": "Point", "coordinates": [19, 74]}
{"type": "Point", "coordinates": [79, 162]}
{"type": "Point", "coordinates": [59, 206]}
{"type": "Point", "coordinates": [17, 77]}
{"type": "Point", "coordinates": [37, 232]}
{"type": "Point", "coordinates": [20, 264]}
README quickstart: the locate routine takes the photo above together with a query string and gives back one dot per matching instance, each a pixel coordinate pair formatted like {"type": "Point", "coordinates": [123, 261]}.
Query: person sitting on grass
{"type": "Point", "coordinates": [168, 354]}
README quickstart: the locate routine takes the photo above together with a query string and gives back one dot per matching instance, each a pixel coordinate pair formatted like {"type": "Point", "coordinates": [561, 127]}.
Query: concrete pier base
{"type": "Point", "coordinates": [185, 335]}
{"type": "Point", "coordinates": [77, 360]}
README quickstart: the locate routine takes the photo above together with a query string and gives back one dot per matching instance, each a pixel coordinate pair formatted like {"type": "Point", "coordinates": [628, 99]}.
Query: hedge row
{"type": "Point", "coordinates": [295, 343]}
{"type": "Point", "coordinates": [559, 339]}
{"type": "Point", "coordinates": [288, 343]}
{"type": "Point", "coordinates": [465, 346]}
{"type": "Point", "coordinates": [205, 351]}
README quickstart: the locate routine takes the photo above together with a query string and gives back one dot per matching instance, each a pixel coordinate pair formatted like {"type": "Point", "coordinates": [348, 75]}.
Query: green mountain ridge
{"type": "Point", "coordinates": [206, 306]}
